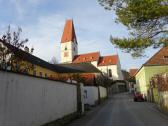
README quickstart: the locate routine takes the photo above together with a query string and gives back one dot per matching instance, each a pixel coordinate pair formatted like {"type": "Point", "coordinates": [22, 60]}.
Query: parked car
{"type": "Point", "coordinates": [138, 97]}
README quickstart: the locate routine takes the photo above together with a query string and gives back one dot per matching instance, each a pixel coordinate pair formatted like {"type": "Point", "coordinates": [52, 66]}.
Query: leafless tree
{"type": "Point", "coordinates": [10, 51]}
{"type": "Point", "coordinates": [54, 60]}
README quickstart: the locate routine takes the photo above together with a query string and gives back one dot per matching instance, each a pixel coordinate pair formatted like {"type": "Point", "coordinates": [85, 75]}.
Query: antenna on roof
{"type": "Point", "coordinates": [116, 51]}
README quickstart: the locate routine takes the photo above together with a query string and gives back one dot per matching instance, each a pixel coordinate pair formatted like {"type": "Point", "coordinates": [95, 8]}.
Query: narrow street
{"type": "Point", "coordinates": [120, 110]}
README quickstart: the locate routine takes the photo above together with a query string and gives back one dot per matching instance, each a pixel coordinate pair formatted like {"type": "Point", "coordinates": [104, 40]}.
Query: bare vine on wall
{"type": "Point", "coordinates": [11, 56]}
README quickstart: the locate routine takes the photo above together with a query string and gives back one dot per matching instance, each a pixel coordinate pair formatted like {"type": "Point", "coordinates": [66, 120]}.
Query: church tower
{"type": "Point", "coordinates": [69, 45]}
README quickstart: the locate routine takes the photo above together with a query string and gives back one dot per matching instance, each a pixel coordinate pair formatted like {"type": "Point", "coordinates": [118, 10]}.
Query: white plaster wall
{"type": "Point", "coordinates": [114, 70]}
{"type": "Point", "coordinates": [140, 81]}
{"type": "Point", "coordinates": [29, 101]}
{"type": "Point", "coordinates": [103, 92]}
{"type": "Point", "coordinates": [90, 95]}
{"type": "Point", "coordinates": [70, 49]}
{"type": "Point", "coordinates": [74, 52]}
{"type": "Point", "coordinates": [94, 63]}
{"type": "Point", "coordinates": [82, 97]}
{"type": "Point", "coordinates": [119, 71]}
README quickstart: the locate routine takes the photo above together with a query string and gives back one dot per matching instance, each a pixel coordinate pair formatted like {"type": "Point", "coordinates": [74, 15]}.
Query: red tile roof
{"type": "Point", "coordinates": [108, 60]}
{"type": "Point", "coordinates": [133, 72]}
{"type": "Point", "coordinates": [89, 79]}
{"type": "Point", "coordinates": [160, 58]}
{"type": "Point", "coordinates": [89, 57]}
{"type": "Point", "coordinates": [69, 32]}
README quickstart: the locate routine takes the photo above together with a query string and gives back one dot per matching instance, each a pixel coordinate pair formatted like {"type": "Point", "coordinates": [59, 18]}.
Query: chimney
{"type": "Point", "coordinates": [26, 49]}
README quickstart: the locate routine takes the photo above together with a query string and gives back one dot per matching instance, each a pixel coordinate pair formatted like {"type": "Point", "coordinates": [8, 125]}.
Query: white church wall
{"type": "Point", "coordinates": [70, 50]}
{"type": "Point", "coordinates": [94, 63]}
{"type": "Point", "coordinates": [63, 46]}
{"type": "Point", "coordinates": [74, 49]}
{"type": "Point", "coordinates": [119, 71]}
{"type": "Point", "coordinates": [103, 92]}
{"type": "Point", "coordinates": [90, 95]}
{"type": "Point", "coordinates": [114, 70]}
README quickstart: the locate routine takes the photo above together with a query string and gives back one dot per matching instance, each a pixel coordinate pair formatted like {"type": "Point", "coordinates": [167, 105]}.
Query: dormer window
{"type": "Point", "coordinates": [165, 58]}
{"type": "Point", "coordinates": [110, 73]}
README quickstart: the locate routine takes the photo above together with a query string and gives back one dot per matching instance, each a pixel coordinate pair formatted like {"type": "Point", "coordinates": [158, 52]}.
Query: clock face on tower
{"type": "Point", "coordinates": [65, 54]}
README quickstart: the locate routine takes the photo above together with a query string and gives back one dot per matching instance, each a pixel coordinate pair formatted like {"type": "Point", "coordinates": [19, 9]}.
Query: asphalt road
{"type": "Point", "coordinates": [120, 110]}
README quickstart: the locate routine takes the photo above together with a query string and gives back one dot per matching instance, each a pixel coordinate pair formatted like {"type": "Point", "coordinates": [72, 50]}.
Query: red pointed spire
{"type": "Point", "coordinates": [69, 32]}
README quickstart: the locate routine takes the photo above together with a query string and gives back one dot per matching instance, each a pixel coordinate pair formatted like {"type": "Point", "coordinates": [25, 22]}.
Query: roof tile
{"type": "Point", "coordinates": [69, 32]}
{"type": "Point", "coordinates": [160, 58]}
{"type": "Point", "coordinates": [89, 57]}
{"type": "Point", "coordinates": [108, 60]}
{"type": "Point", "coordinates": [133, 72]}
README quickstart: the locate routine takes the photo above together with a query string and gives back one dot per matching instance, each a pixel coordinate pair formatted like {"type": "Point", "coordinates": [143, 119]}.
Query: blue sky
{"type": "Point", "coordinates": [43, 21]}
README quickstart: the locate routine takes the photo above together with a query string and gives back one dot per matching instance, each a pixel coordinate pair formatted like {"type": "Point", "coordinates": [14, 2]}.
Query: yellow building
{"type": "Point", "coordinates": [157, 64]}
{"type": "Point", "coordinates": [26, 63]}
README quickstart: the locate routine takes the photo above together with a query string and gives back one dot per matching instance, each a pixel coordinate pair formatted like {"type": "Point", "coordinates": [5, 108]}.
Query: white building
{"type": "Point", "coordinates": [109, 65]}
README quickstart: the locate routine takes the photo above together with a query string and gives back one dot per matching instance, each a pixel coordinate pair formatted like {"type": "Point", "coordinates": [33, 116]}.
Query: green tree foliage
{"type": "Point", "coordinates": [147, 21]}
{"type": "Point", "coordinates": [103, 81]}
{"type": "Point", "coordinates": [77, 77]}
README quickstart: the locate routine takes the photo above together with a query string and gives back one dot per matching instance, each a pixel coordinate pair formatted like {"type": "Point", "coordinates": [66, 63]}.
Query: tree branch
{"type": "Point", "coordinates": [158, 32]}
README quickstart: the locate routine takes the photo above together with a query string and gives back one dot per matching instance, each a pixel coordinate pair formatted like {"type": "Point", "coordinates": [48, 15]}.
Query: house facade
{"type": "Point", "coordinates": [155, 65]}
{"type": "Point", "coordinates": [132, 82]}
{"type": "Point", "coordinates": [108, 65]}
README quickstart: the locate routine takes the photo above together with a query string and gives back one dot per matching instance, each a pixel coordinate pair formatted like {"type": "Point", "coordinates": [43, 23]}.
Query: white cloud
{"type": "Point", "coordinates": [17, 4]}
{"type": "Point", "coordinates": [35, 2]}
{"type": "Point", "coordinates": [45, 36]}
{"type": "Point", "coordinates": [23, 7]}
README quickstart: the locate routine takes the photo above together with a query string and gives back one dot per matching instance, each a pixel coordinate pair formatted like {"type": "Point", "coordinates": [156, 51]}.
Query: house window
{"type": "Point", "coordinates": [65, 54]}
{"type": "Point", "coordinates": [34, 73]}
{"type": "Point", "coordinates": [110, 73]}
{"type": "Point", "coordinates": [165, 58]}
{"type": "Point", "coordinates": [41, 74]}
{"type": "Point", "coordinates": [46, 75]}
{"type": "Point", "coordinates": [85, 94]}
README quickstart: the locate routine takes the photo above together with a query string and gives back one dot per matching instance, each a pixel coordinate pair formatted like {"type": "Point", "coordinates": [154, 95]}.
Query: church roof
{"type": "Point", "coordinates": [95, 56]}
{"type": "Point", "coordinates": [108, 60]}
{"type": "Point", "coordinates": [89, 57]}
{"type": "Point", "coordinates": [83, 67]}
{"type": "Point", "coordinates": [69, 32]}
